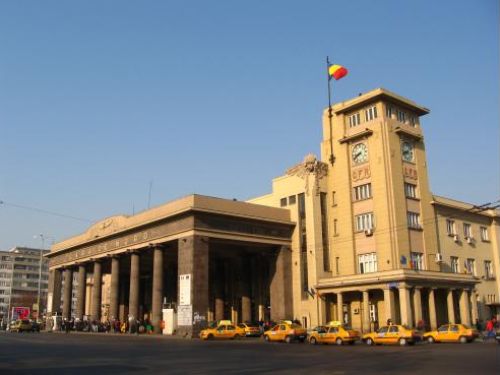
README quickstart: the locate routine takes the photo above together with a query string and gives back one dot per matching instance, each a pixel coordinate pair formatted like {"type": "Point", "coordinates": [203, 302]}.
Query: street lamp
{"type": "Point", "coordinates": [43, 238]}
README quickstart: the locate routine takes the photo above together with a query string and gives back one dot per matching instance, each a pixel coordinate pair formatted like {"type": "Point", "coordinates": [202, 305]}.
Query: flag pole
{"type": "Point", "coordinates": [330, 115]}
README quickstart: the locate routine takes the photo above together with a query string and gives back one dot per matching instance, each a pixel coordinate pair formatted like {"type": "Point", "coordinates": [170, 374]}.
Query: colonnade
{"type": "Point", "coordinates": [410, 307]}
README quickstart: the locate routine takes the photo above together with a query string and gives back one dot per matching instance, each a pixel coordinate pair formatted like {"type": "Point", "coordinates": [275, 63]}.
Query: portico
{"type": "Point", "coordinates": [210, 258]}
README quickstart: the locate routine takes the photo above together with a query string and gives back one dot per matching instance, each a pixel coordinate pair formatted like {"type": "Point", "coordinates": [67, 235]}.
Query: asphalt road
{"type": "Point", "coordinates": [76, 353]}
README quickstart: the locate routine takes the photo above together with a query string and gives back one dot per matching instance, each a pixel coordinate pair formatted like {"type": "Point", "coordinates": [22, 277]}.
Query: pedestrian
{"type": "Point", "coordinates": [421, 325]}
{"type": "Point", "coordinates": [389, 321]}
{"type": "Point", "coordinates": [490, 329]}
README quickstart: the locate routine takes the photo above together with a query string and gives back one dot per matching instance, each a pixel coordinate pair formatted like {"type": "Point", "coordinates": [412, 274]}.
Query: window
{"type": "Point", "coordinates": [362, 192]}
{"type": "Point", "coordinates": [417, 261]}
{"type": "Point", "coordinates": [354, 120]}
{"type": "Point", "coordinates": [335, 230]}
{"type": "Point", "coordinates": [388, 111]}
{"type": "Point", "coordinates": [324, 232]}
{"type": "Point", "coordinates": [393, 329]}
{"type": "Point", "coordinates": [413, 121]}
{"type": "Point", "coordinates": [334, 202]}
{"type": "Point", "coordinates": [371, 113]}
{"type": "Point", "coordinates": [401, 116]}
{"type": "Point", "coordinates": [283, 202]}
{"type": "Point", "coordinates": [488, 270]}
{"type": "Point", "coordinates": [364, 222]}
{"type": "Point", "coordinates": [303, 245]}
{"type": "Point", "coordinates": [450, 227]}
{"type": "Point", "coordinates": [470, 266]}
{"type": "Point", "coordinates": [410, 190]}
{"type": "Point", "coordinates": [484, 234]}
{"type": "Point", "coordinates": [454, 265]}
{"type": "Point", "coordinates": [367, 263]}
{"type": "Point", "coordinates": [467, 230]}
{"type": "Point", "coordinates": [413, 220]}
{"type": "Point", "coordinates": [292, 199]}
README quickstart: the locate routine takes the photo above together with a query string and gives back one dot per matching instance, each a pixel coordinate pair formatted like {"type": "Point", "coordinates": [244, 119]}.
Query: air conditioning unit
{"type": "Point", "coordinates": [455, 238]}
{"type": "Point", "coordinates": [369, 232]}
{"type": "Point", "coordinates": [439, 258]}
{"type": "Point", "coordinates": [470, 239]}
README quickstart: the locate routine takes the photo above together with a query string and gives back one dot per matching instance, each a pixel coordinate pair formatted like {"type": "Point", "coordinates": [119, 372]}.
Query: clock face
{"type": "Point", "coordinates": [360, 153]}
{"type": "Point", "coordinates": [407, 151]}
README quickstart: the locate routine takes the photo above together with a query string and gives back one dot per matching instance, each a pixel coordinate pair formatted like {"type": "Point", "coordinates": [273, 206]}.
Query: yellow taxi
{"type": "Point", "coordinates": [250, 329]}
{"type": "Point", "coordinates": [21, 326]}
{"type": "Point", "coordinates": [334, 335]}
{"type": "Point", "coordinates": [392, 334]}
{"type": "Point", "coordinates": [287, 332]}
{"type": "Point", "coordinates": [451, 333]}
{"type": "Point", "coordinates": [223, 331]}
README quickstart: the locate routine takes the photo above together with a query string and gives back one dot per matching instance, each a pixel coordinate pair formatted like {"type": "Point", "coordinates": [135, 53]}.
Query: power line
{"type": "Point", "coordinates": [39, 210]}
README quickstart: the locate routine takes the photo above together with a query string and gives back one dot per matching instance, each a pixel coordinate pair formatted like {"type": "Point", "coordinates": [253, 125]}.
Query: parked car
{"type": "Point", "coordinates": [451, 333]}
{"type": "Point", "coordinates": [334, 335]}
{"type": "Point", "coordinates": [224, 331]}
{"type": "Point", "coordinates": [250, 329]}
{"type": "Point", "coordinates": [21, 326]}
{"type": "Point", "coordinates": [392, 334]}
{"type": "Point", "coordinates": [286, 332]}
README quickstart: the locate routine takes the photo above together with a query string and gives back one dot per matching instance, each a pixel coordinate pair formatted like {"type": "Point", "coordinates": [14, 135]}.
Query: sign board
{"type": "Point", "coordinates": [185, 289]}
{"type": "Point", "coordinates": [185, 315]}
{"type": "Point", "coordinates": [20, 313]}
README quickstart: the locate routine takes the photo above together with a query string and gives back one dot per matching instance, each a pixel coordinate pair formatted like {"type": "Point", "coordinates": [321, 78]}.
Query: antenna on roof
{"type": "Point", "coordinates": [149, 193]}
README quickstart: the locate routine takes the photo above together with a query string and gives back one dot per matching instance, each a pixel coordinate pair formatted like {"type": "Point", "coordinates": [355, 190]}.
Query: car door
{"type": "Point", "coordinates": [392, 336]}
{"type": "Point", "coordinates": [332, 334]}
{"type": "Point", "coordinates": [454, 332]}
{"type": "Point", "coordinates": [380, 337]}
{"type": "Point", "coordinates": [220, 332]}
{"type": "Point", "coordinates": [442, 333]}
{"type": "Point", "coordinates": [274, 333]}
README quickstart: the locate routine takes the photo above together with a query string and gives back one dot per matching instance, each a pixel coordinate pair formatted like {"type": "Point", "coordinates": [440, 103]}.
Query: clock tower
{"type": "Point", "coordinates": [381, 215]}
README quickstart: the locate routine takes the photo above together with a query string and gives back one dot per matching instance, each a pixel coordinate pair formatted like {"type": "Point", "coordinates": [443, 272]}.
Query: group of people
{"type": "Point", "coordinates": [489, 329]}
{"type": "Point", "coordinates": [115, 326]}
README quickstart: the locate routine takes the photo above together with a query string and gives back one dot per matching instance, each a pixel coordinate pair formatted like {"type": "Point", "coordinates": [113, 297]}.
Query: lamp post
{"type": "Point", "coordinates": [43, 238]}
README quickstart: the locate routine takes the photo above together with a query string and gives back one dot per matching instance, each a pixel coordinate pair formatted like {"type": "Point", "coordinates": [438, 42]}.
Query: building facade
{"type": "Point", "coordinates": [375, 243]}
{"type": "Point", "coordinates": [23, 281]}
{"type": "Point", "coordinates": [356, 236]}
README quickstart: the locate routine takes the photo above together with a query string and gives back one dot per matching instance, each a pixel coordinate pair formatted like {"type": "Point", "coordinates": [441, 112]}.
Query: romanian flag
{"type": "Point", "coordinates": [336, 72]}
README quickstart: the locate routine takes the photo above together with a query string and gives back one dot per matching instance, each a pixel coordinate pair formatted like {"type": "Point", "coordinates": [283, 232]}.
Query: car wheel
{"type": "Point", "coordinates": [313, 341]}
{"type": "Point", "coordinates": [463, 340]}
{"type": "Point", "coordinates": [403, 341]}
{"type": "Point", "coordinates": [431, 340]}
{"type": "Point", "coordinates": [210, 337]}
{"type": "Point", "coordinates": [369, 341]}
{"type": "Point", "coordinates": [288, 339]}
{"type": "Point", "coordinates": [266, 337]}
{"type": "Point", "coordinates": [339, 341]}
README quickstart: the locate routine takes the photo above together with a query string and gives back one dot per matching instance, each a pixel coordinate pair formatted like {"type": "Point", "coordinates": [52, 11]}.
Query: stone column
{"type": "Point", "coordinates": [133, 300]}
{"type": "Point", "coordinates": [157, 292]}
{"type": "Point", "coordinates": [366, 311]}
{"type": "Point", "coordinates": [417, 304]}
{"type": "Point", "coordinates": [258, 293]}
{"type": "Point", "coordinates": [464, 307]}
{"type": "Point", "coordinates": [244, 291]}
{"type": "Point", "coordinates": [54, 292]}
{"type": "Point", "coordinates": [80, 292]}
{"type": "Point", "coordinates": [405, 305]}
{"type": "Point", "coordinates": [340, 307]}
{"type": "Point", "coordinates": [95, 311]}
{"type": "Point", "coordinates": [281, 285]}
{"type": "Point", "coordinates": [115, 288]}
{"type": "Point", "coordinates": [389, 305]}
{"type": "Point", "coordinates": [193, 259]}
{"type": "Point", "coordinates": [473, 303]}
{"type": "Point", "coordinates": [219, 290]}
{"type": "Point", "coordinates": [68, 287]}
{"type": "Point", "coordinates": [451, 307]}
{"type": "Point", "coordinates": [432, 309]}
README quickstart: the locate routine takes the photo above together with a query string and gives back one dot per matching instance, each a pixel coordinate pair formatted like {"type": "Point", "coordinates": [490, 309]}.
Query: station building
{"type": "Point", "coordinates": [355, 236]}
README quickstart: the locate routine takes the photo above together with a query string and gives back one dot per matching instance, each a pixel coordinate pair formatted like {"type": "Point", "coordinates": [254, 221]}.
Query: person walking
{"type": "Point", "coordinates": [490, 329]}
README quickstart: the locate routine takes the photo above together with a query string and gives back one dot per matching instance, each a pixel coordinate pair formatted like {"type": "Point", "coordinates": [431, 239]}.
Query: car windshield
{"type": "Point", "coordinates": [465, 326]}
{"type": "Point", "coordinates": [347, 328]}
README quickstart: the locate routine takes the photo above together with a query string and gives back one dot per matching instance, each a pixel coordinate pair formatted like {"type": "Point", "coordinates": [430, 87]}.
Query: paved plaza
{"type": "Point", "coordinates": [76, 353]}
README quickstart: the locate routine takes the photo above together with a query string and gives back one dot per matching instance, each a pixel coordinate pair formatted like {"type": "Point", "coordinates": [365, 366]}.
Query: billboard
{"type": "Point", "coordinates": [20, 313]}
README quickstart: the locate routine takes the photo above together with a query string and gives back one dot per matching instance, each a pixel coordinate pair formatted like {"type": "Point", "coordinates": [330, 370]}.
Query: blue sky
{"type": "Point", "coordinates": [98, 98]}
